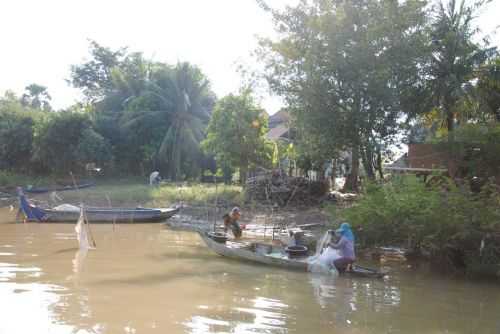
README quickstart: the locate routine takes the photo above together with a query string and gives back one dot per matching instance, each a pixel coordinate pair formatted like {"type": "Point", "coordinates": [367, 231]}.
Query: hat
{"type": "Point", "coordinates": [235, 210]}
{"type": "Point", "coordinates": [343, 227]}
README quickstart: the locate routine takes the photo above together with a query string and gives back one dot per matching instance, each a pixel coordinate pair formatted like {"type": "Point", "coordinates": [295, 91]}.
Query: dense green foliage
{"type": "Point", "coordinates": [486, 94]}
{"type": "Point", "coordinates": [33, 140]}
{"type": "Point", "coordinates": [236, 134]}
{"type": "Point", "coordinates": [455, 56]}
{"type": "Point", "coordinates": [137, 116]}
{"type": "Point", "coordinates": [448, 221]}
{"type": "Point", "coordinates": [355, 74]}
{"type": "Point", "coordinates": [16, 135]}
{"type": "Point", "coordinates": [65, 142]}
{"type": "Point", "coordinates": [36, 97]}
{"type": "Point", "coordinates": [153, 114]}
{"type": "Point", "coordinates": [347, 70]}
{"type": "Point", "coordinates": [476, 150]}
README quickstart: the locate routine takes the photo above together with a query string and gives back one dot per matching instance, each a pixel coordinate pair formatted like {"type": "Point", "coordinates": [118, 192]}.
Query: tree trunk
{"type": "Point", "coordinates": [379, 164]}
{"type": "Point", "coordinates": [367, 154]}
{"type": "Point", "coordinates": [450, 120]}
{"type": "Point", "coordinates": [351, 182]}
{"type": "Point", "coordinates": [243, 172]}
{"type": "Point", "coordinates": [334, 173]}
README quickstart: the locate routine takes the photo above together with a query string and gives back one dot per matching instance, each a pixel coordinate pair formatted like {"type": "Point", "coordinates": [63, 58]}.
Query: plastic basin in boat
{"type": "Point", "coordinates": [218, 237]}
{"type": "Point", "coordinates": [296, 251]}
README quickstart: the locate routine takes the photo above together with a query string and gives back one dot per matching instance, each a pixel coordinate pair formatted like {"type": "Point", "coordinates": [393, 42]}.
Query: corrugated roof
{"type": "Point", "coordinates": [278, 118]}
{"type": "Point", "coordinates": [278, 132]}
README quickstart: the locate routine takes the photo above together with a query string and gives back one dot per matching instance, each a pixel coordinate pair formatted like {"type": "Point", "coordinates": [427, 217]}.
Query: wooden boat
{"type": "Point", "coordinates": [94, 215]}
{"type": "Point", "coordinates": [41, 190]}
{"type": "Point", "coordinates": [272, 255]}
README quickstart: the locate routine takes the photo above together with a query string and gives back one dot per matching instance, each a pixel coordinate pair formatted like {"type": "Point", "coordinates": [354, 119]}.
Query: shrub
{"type": "Point", "coordinates": [92, 147]}
{"type": "Point", "coordinates": [65, 141]}
{"type": "Point", "coordinates": [448, 221]}
{"type": "Point", "coordinates": [394, 213]}
{"type": "Point", "coordinates": [16, 137]}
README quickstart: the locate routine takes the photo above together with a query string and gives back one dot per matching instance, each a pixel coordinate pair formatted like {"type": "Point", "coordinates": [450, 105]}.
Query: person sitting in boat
{"type": "Point", "coordinates": [231, 222]}
{"type": "Point", "coordinates": [345, 246]}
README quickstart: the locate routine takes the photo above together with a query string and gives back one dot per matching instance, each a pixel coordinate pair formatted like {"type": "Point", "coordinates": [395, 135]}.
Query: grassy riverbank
{"type": "Point", "coordinates": [132, 192]}
{"type": "Point", "coordinates": [127, 192]}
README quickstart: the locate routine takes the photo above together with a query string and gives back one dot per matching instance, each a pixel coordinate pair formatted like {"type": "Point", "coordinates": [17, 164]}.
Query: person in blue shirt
{"type": "Point", "coordinates": [345, 246]}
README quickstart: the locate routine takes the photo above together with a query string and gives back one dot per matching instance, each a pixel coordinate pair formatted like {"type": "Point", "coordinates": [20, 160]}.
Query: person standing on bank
{"type": "Point", "coordinates": [231, 222]}
{"type": "Point", "coordinates": [345, 246]}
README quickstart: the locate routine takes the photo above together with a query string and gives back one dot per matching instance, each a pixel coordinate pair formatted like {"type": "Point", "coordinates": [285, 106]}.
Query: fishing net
{"type": "Point", "coordinates": [322, 261]}
{"type": "Point", "coordinates": [81, 232]}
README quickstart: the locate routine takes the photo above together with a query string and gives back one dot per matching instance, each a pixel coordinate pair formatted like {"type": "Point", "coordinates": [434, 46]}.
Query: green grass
{"type": "Point", "coordinates": [12, 180]}
{"type": "Point", "coordinates": [126, 193]}
{"type": "Point", "coordinates": [131, 191]}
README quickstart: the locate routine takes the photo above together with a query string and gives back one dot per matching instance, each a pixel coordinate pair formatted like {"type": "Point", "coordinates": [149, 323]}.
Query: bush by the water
{"type": "Point", "coordinates": [448, 221]}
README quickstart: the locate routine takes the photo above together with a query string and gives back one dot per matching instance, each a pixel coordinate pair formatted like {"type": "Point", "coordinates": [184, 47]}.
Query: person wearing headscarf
{"type": "Point", "coordinates": [231, 222]}
{"type": "Point", "coordinates": [345, 246]}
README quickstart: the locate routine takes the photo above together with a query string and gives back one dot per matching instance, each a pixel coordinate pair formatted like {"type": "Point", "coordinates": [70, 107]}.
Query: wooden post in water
{"type": "Point", "coordinates": [272, 212]}
{"type": "Point", "coordinates": [109, 205]}
{"type": "Point", "coordinates": [216, 197]}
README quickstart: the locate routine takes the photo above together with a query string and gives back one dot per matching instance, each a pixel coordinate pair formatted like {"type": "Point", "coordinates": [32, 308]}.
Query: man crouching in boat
{"type": "Point", "coordinates": [231, 222]}
{"type": "Point", "coordinates": [345, 246]}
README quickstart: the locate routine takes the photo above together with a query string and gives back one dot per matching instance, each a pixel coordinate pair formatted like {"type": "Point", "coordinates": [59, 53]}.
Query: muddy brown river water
{"type": "Point", "coordinates": [149, 279]}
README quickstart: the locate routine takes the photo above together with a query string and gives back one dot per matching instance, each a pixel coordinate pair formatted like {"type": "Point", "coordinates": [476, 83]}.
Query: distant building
{"type": "Point", "coordinates": [280, 131]}
{"type": "Point", "coordinates": [422, 158]}
{"type": "Point", "coordinates": [279, 127]}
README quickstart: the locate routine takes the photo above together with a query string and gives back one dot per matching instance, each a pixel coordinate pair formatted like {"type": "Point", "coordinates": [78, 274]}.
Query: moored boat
{"type": "Point", "coordinates": [272, 255]}
{"type": "Point", "coordinates": [70, 213]}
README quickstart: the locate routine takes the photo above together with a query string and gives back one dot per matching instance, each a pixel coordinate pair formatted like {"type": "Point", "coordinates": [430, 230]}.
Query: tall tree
{"type": "Point", "coordinates": [36, 97]}
{"type": "Point", "coordinates": [65, 142]}
{"type": "Point", "coordinates": [94, 77]}
{"type": "Point", "coordinates": [487, 90]}
{"type": "Point", "coordinates": [179, 98]}
{"type": "Point", "coordinates": [236, 133]}
{"type": "Point", "coordinates": [455, 57]}
{"type": "Point", "coordinates": [153, 114]}
{"type": "Point", "coordinates": [347, 70]}
{"type": "Point", "coordinates": [17, 124]}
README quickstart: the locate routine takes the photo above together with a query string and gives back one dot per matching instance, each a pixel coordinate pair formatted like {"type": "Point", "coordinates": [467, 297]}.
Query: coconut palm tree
{"type": "Point", "coordinates": [180, 98]}
{"type": "Point", "coordinates": [455, 56]}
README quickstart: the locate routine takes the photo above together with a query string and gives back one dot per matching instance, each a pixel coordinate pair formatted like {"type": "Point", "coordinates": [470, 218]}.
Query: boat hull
{"type": "Point", "coordinates": [251, 256]}
{"type": "Point", "coordinates": [93, 215]}
{"type": "Point", "coordinates": [299, 264]}
{"type": "Point", "coordinates": [132, 216]}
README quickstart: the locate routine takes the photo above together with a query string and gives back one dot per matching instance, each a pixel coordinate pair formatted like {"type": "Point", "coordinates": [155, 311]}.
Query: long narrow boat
{"type": "Point", "coordinates": [94, 215]}
{"type": "Point", "coordinates": [273, 256]}
{"type": "Point", "coordinates": [41, 190]}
